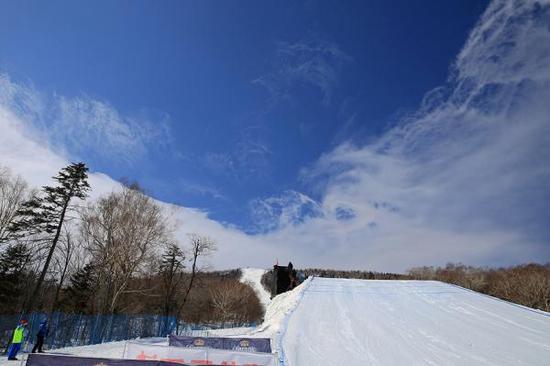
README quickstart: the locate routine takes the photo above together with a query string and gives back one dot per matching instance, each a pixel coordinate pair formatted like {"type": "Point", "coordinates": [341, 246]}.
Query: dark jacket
{"type": "Point", "coordinates": [43, 329]}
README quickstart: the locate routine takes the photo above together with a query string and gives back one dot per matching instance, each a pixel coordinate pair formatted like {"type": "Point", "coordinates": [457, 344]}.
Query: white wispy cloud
{"type": "Point", "coordinates": [311, 61]}
{"type": "Point", "coordinates": [248, 158]}
{"type": "Point", "coordinates": [290, 208]}
{"type": "Point", "coordinates": [85, 126]}
{"type": "Point", "coordinates": [202, 189]}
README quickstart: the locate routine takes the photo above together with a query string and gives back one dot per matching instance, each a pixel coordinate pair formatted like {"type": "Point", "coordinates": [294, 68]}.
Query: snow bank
{"type": "Point", "coordinates": [278, 309]}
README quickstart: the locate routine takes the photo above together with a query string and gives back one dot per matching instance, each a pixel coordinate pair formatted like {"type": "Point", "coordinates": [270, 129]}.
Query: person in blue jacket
{"type": "Point", "coordinates": [43, 331]}
{"type": "Point", "coordinates": [17, 340]}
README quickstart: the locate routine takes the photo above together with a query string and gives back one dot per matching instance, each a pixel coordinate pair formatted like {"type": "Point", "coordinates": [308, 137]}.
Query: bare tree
{"type": "Point", "coordinates": [200, 246]}
{"type": "Point", "coordinates": [122, 231]}
{"type": "Point", "coordinates": [13, 192]}
{"type": "Point", "coordinates": [234, 301]}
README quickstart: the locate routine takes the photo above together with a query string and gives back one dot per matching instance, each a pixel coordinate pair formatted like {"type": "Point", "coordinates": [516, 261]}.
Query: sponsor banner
{"type": "Point", "coordinates": [197, 356]}
{"type": "Point", "coordinates": [193, 342]}
{"type": "Point", "coordinates": [248, 344]}
{"type": "Point", "coordinates": [36, 359]}
{"type": "Point", "coordinates": [235, 344]}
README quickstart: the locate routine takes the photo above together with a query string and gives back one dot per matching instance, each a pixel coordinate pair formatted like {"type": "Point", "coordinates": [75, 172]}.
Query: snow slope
{"type": "Point", "coordinates": [359, 322]}
{"type": "Point", "coordinates": [253, 276]}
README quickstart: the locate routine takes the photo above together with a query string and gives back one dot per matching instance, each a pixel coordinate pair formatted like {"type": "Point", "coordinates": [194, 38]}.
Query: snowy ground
{"type": "Point", "coordinates": [358, 322]}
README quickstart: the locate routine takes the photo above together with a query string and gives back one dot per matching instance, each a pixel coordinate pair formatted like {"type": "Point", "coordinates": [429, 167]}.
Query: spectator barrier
{"type": "Point", "coordinates": [196, 356]}
{"type": "Point", "coordinates": [235, 344]}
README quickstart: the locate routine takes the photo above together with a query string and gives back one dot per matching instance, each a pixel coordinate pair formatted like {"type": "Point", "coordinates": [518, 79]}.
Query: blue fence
{"type": "Point", "coordinates": [67, 330]}
{"type": "Point", "coordinates": [78, 330]}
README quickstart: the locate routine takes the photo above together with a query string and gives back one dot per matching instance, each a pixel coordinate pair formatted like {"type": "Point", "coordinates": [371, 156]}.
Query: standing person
{"type": "Point", "coordinates": [17, 340]}
{"type": "Point", "coordinates": [43, 331]}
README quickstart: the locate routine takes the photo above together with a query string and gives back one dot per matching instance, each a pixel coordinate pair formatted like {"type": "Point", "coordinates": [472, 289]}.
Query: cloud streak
{"type": "Point", "coordinates": [310, 62]}
{"type": "Point", "coordinates": [249, 157]}
{"type": "Point", "coordinates": [84, 126]}
{"type": "Point", "coordinates": [289, 209]}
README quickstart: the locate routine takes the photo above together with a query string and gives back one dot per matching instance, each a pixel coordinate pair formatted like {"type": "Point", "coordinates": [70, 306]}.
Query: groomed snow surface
{"type": "Point", "coordinates": [365, 322]}
{"type": "Point", "coordinates": [357, 322]}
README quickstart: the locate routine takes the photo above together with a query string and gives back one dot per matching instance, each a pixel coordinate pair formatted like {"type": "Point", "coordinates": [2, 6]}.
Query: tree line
{"type": "Point", "coordinates": [60, 251]}
{"type": "Point", "coordinates": [526, 284]}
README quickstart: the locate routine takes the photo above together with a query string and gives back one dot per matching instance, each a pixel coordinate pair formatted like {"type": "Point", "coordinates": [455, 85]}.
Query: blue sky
{"type": "Point", "coordinates": [206, 69]}
{"type": "Point", "coordinates": [379, 134]}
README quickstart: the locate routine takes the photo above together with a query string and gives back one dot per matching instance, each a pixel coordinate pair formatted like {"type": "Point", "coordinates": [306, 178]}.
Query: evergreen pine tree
{"type": "Point", "coordinates": [13, 274]}
{"type": "Point", "coordinates": [81, 288]}
{"type": "Point", "coordinates": [171, 270]}
{"type": "Point", "coordinates": [46, 213]}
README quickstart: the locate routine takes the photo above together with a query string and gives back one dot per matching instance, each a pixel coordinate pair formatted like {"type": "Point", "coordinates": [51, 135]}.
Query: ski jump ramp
{"type": "Point", "coordinates": [369, 322]}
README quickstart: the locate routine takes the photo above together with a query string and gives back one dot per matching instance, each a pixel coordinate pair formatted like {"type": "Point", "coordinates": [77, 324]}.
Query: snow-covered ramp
{"type": "Point", "coordinates": [358, 322]}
